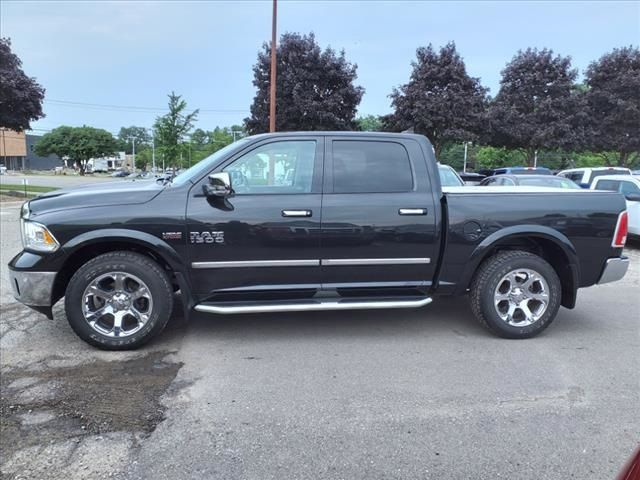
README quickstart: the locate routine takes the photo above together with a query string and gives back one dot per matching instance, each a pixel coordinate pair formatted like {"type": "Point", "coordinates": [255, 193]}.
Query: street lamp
{"type": "Point", "coordinates": [464, 166]}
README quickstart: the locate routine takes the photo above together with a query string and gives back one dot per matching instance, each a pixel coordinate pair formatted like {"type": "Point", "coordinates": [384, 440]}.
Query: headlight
{"type": "Point", "coordinates": [36, 236]}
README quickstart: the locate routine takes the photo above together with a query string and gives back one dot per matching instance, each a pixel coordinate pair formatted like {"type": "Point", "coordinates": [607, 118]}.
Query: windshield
{"type": "Point", "coordinates": [448, 177]}
{"type": "Point", "coordinates": [557, 182]}
{"type": "Point", "coordinates": [206, 164]}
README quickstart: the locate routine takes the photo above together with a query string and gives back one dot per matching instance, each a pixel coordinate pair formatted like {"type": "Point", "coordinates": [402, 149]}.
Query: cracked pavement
{"type": "Point", "coordinates": [405, 394]}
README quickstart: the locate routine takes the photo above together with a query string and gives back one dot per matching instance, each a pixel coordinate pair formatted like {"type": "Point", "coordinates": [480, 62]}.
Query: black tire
{"type": "Point", "coordinates": [147, 270]}
{"type": "Point", "coordinates": [485, 283]}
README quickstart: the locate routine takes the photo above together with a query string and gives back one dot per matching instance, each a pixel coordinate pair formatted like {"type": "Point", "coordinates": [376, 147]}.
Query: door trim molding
{"type": "Point", "coordinates": [327, 262]}
{"type": "Point", "coordinates": [338, 262]}
{"type": "Point", "coordinates": [257, 263]}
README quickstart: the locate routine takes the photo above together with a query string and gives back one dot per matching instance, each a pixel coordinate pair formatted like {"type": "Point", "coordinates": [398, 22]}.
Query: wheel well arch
{"type": "Point", "coordinates": [559, 254]}
{"type": "Point", "coordinates": [84, 253]}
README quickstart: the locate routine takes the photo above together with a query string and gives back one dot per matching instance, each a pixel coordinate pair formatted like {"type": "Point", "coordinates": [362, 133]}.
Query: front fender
{"type": "Point", "coordinates": [157, 245]}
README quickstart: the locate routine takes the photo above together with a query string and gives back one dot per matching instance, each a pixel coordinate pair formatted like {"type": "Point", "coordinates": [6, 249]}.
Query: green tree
{"type": "Point", "coordinates": [440, 100]}
{"type": "Point", "coordinates": [314, 88]}
{"type": "Point", "coordinates": [172, 128]}
{"type": "Point", "coordinates": [20, 96]}
{"type": "Point", "coordinates": [369, 123]}
{"type": "Point", "coordinates": [497, 157]}
{"type": "Point", "coordinates": [126, 136]}
{"type": "Point", "coordinates": [78, 144]}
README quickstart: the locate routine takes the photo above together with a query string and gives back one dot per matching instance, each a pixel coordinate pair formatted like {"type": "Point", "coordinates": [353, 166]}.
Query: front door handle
{"type": "Point", "coordinates": [412, 211]}
{"type": "Point", "coordinates": [296, 213]}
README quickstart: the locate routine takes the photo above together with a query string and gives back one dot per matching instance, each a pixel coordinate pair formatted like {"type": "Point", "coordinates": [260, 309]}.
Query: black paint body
{"type": "Point", "coordinates": [572, 229]}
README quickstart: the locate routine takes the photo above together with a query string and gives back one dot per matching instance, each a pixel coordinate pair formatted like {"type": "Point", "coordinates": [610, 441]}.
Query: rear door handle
{"type": "Point", "coordinates": [412, 211]}
{"type": "Point", "coordinates": [296, 213]}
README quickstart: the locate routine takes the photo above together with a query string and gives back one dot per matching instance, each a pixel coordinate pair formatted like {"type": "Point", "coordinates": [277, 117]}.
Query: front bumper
{"type": "Point", "coordinates": [34, 289]}
{"type": "Point", "coordinates": [614, 270]}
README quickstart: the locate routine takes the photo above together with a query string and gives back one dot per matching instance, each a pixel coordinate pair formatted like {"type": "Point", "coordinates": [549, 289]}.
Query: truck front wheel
{"type": "Point", "coordinates": [119, 300]}
{"type": "Point", "coordinates": [515, 294]}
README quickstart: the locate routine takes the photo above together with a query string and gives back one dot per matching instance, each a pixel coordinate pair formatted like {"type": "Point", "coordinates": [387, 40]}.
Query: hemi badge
{"type": "Point", "coordinates": [172, 235]}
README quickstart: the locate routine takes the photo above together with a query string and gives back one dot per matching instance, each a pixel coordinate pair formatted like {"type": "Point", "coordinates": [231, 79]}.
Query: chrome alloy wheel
{"type": "Point", "coordinates": [117, 304]}
{"type": "Point", "coordinates": [521, 297]}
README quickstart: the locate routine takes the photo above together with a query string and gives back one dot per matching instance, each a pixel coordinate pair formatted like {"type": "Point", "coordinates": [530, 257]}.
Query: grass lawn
{"type": "Point", "coordinates": [21, 188]}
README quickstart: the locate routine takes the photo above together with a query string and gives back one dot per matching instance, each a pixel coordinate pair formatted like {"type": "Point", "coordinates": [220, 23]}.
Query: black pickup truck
{"type": "Point", "coordinates": [312, 221]}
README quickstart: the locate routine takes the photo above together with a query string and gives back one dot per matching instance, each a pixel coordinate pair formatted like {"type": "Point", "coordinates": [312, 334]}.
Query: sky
{"type": "Point", "coordinates": [112, 64]}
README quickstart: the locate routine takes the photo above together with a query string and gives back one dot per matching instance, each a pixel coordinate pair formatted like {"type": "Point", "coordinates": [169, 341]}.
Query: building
{"type": "Point", "coordinates": [13, 149]}
{"type": "Point", "coordinates": [17, 152]}
{"type": "Point", "coordinates": [35, 162]}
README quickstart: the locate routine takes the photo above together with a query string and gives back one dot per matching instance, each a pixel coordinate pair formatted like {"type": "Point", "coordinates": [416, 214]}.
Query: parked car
{"type": "Point", "coordinates": [529, 181]}
{"type": "Point", "coordinates": [522, 171]}
{"type": "Point", "coordinates": [629, 186]}
{"type": "Point", "coordinates": [449, 177]}
{"type": "Point", "coordinates": [120, 174]}
{"type": "Point", "coordinates": [585, 176]}
{"type": "Point", "coordinates": [471, 178]}
{"type": "Point", "coordinates": [365, 225]}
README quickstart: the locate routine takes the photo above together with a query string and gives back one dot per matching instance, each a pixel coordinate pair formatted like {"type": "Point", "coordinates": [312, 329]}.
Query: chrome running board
{"type": "Point", "coordinates": [309, 305]}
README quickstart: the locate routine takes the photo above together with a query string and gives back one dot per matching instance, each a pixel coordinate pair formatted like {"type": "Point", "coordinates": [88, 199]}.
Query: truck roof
{"type": "Point", "coordinates": [342, 134]}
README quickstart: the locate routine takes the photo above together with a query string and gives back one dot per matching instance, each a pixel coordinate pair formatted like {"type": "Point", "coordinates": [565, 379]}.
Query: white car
{"type": "Point", "coordinates": [585, 176]}
{"type": "Point", "coordinates": [629, 186]}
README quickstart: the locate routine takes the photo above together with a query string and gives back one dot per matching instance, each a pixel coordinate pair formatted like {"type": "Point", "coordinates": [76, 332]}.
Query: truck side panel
{"type": "Point", "coordinates": [580, 224]}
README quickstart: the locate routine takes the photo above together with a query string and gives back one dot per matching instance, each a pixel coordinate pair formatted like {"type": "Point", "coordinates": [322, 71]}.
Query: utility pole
{"type": "Point", "coordinates": [153, 152]}
{"type": "Point", "coordinates": [535, 159]}
{"type": "Point", "coordinates": [272, 96]}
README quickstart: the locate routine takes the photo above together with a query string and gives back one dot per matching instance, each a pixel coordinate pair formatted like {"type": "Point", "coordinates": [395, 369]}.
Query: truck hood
{"type": "Point", "coordinates": [128, 192]}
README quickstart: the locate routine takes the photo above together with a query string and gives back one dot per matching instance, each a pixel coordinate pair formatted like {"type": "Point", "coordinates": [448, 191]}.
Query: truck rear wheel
{"type": "Point", "coordinates": [119, 300]}
{"type": "Point", "coordinates": [515, 294]}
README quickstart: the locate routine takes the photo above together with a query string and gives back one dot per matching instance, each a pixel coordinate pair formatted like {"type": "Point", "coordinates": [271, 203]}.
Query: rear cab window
{"type": "Point", "coordinates": [371, 167]}
{"type": "Point", "coordinates": [610, 171]}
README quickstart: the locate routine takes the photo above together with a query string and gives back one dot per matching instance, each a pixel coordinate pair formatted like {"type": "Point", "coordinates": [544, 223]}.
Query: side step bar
{"type": "Point", "coordinates": [308, 305]}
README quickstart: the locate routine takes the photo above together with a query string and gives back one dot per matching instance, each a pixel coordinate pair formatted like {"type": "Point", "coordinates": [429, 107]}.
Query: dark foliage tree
{"type": "Point", "coordinates": [538, 105]}
{"type": "Point", "coordinates": [78, 144]}
{"type": "Point", "coordinates": [314, 88]}
{"type": "Point", "coordinates": [613, 100]}
{"type": "Point", "coordinates": [172, 128]}
{"type": "Point", "coordinates": [126, 135]}
{"type": "Point", "coordinates": [440, 100]}
{"type": "Point", "coordinates": [20, 96]}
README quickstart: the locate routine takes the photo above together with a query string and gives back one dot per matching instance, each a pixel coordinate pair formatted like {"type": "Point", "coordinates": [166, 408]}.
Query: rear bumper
{"type": "Point", "coordinates": [34, 289]}
{"type": "Point", "coordinates": [614, 270]}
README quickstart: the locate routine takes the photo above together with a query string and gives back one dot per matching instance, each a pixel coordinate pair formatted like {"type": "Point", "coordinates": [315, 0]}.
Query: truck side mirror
{"type": "Point", "coordinates": [632, 197]}
{"type": "Point", "coordinates": [219, 185]}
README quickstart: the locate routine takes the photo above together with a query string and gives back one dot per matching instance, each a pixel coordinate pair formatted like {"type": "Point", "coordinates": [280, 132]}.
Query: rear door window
{"type": "Point", "coordinates": [371, 167]}
{"type": "Point", "coordinates": [628, 188]}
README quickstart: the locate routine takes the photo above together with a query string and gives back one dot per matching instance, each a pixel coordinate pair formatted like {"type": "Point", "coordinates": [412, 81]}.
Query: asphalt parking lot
{"type": "Point", "coordinates": [50, 180]}
{"type": "Point", "coordinates": [420, 394]}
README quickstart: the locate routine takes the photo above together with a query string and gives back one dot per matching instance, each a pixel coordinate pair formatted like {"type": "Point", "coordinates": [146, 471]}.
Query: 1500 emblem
{"type": "Point", "coordinates": [206, 237]}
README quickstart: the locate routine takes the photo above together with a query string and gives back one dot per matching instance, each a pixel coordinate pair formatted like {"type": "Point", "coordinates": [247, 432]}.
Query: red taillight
{"type": "Point", "coordinates": [622, 228]}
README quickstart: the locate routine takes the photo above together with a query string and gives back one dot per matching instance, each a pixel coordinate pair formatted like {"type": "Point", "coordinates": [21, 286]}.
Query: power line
{"type": "Point", "coordinates": [133, 108]}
